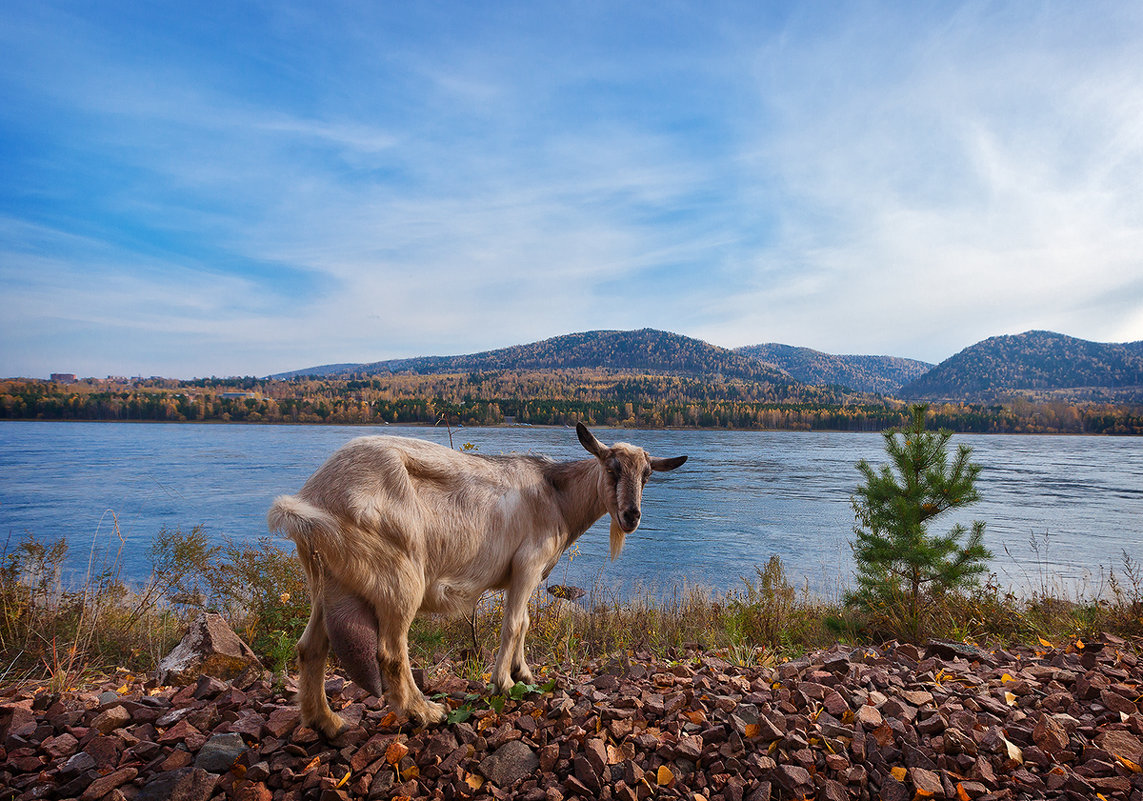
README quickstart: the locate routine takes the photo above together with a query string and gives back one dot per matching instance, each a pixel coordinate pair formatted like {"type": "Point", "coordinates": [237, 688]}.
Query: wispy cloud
{"type": "Point", "coordinates": [284, 187]}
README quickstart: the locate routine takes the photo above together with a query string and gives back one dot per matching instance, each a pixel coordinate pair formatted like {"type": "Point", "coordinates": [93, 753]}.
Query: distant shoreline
{"type": "Point", "coordinates": [599, 426]}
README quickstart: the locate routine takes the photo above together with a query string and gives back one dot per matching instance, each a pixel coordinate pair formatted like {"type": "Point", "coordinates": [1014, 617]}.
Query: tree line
{"type": "Point", "coordinates": [538, 398]}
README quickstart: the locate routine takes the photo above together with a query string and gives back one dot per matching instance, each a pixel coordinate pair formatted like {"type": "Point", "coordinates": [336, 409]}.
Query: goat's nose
{"type": "Point", "coordinates": [631, 517]}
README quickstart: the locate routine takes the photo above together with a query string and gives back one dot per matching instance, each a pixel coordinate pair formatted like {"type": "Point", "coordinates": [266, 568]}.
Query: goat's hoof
{"type": "Point", "coordinates": [524, 674]}
{"type": "Point", "coordinates": [431, 713]}
{"type": "Point", "coordinates": [330, 727]}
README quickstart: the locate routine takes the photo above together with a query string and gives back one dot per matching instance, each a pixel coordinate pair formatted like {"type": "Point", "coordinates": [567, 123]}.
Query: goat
{"type": "Point", "coordinates": [392, 526]}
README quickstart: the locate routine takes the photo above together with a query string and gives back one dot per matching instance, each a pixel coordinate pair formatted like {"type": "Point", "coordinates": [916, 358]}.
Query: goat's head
{"type": "Point", "coordinates": [626, 469]}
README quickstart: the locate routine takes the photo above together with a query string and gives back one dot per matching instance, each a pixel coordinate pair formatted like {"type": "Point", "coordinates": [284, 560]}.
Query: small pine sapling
{"type": "Point", "coordinates": [899, 563]}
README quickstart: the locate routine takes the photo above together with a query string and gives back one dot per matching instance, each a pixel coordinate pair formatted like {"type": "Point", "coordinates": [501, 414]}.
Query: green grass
{"type": "Point", "coordinates": [64, 635]}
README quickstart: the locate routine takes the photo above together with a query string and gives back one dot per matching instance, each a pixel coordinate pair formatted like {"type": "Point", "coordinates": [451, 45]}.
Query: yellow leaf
{"type": "Point", "coordinates": [751, 730]}
{"type": "Point", "coordinates": [1101, 796]}
{"type": "Point", "coordinates": [313, 763]}
{"type": "Point", "coordinates": [1007, 677]}
{"type": "Point", "coordinates": [1010, 699]}
{"type": "Point", "coordinates": [1127, 763]}
{"type": "Point", "coordinates": [1045, 643]}
{"type": "Point", "coordinates": [395, 752]}
{"type": "Point", "coordinates": [410, 772]}
{"type": "Point", "coordinates": [1014, 752]}
{"type": "Point", "coordinates": [1079, 644]}
{"type": "Point", "coordinates": [899, 773]}
{"type": "Point", "coordinates": [123, 690]}
{"type": "Point", "coordinates": [474, 780]}
{"type": "Point", "coordinates": [961, 793]}
{"type": "Point", "coordinates": [344, 779]}
{"type": "Point", "coordinates": [664, 776]}
{"type": "Point", "coordinates": [922, 793]}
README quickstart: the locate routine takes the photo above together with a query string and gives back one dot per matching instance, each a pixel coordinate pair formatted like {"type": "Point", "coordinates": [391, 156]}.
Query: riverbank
{"type": "Point", "coordinates": [894, 722]}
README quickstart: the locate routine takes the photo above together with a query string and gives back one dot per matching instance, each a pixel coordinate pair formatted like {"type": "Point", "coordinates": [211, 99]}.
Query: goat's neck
{"type": "Point", "coordinates": [577, 492]}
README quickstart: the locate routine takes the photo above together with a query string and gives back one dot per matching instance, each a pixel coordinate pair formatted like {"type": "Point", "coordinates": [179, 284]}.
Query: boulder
{"type": "Point", "coordinates": [210, 648]}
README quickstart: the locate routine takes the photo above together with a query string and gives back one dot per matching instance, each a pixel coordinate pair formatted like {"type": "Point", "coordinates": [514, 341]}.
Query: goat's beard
{"type": "Point", "coordinates": [617, 536]}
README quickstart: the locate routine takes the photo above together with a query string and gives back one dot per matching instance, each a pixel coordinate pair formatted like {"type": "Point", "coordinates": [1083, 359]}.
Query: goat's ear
{"type": "Point", "coordinates": [663, 465]}
{"type": "Point", "coordinates": [589, 442]}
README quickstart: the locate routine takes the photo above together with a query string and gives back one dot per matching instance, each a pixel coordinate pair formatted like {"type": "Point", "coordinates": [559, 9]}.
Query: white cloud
{"type": "Point", "coordinates": [870, 179]}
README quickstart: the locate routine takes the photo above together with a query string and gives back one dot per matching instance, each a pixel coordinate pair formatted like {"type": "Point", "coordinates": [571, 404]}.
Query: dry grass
{"type": "Point", "coordinates": [54, 633]}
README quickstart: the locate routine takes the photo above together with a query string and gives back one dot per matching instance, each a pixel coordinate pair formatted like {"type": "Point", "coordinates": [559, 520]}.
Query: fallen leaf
{"type": "Point", "coordinates": [696, 716]}
{"type": "Point", "coordinates": [396, 752]}
{"type": "Point", "coordinates": [752, 730]}
{"type": "Point", "coordinates": [961, 793]}
{"type": "Point", "coordinates": [1045, 643]}
{"type": "Point", "coordinates": [1079, 644]}
{"type": "Point", "coordinates": [899, 773]}
{"type": "Point", "coordinates": [1010, 699]}
{"type": "Point", "coordinates": [664, 776]}
{"type": "Point", "coordinates": [1007, 677]}
{"type": "Point", "coordinates": [313, 763]}
{"type": "Point", "coordinates": [1014, 752]}
{"type": "Point", "coordinates": [410, 772]}
{"type": "Point", "coordinates": [1127, 763]}
{"type": "Point", "coordinates": [474, 780]}
{"type": "Point", "coordinates": [344, 779]}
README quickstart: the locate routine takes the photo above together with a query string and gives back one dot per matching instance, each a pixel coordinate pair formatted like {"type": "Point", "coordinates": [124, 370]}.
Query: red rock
{"type": "Point", "coordinates": [105, 784]}
{"type": "Point", "coordinates": [60, 747]}
{"type": "Point", "coordinates": [1050, 735]}
{"type": "Point", "coordinates": [283, 720]}
{"type": "Point", "coordinates": [209, 648]}
{"type": "Point", "coordinates": [111, 719]}
{"type": "Point", "coordinates": [869, 716]}
{"type": "Point", "coordinates": [1121, 743]}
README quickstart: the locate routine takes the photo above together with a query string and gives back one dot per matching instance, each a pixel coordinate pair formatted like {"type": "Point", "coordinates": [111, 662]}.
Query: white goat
{"type": "Point", "coordinates": [392, 526]}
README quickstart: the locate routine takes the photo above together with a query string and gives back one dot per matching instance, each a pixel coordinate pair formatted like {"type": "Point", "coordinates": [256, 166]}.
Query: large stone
{"type": "Point", "coordinates": [509, 764]}
{"type": "Point", "coordinates": [220, 752]}
{"type": "Point", "coordinates": [184, 784]}
{"type": "Point", "coordinates": [1121, 744]}
{"type": "Point", "coordinates": [209, 648]}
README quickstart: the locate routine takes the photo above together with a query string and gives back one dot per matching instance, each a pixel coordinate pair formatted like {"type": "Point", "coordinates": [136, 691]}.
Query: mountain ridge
{"type": "Point", "coordinates": [880, 374]}
{"type": "Point", "coordinates": [645, 349]}
{"type": "Point", "coordinates": [1035, 362]}
{"type": "Point", "coordinates": [1044, 364]}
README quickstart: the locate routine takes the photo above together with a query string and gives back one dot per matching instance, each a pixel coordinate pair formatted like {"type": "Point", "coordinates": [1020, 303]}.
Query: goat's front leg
{"type": "Point", "coordinates": [510, 666]}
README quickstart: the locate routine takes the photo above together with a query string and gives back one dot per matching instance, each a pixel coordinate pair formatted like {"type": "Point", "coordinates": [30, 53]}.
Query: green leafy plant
{"type": "Point", "coordinates": [899, 563]}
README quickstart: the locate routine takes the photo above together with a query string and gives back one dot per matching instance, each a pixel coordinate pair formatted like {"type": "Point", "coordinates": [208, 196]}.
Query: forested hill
{"type": "Point", "coordinates": [1038, 362]}
{"type": "Point", "coordinates": [644, 351]}
{"type": "Point", "coordinates": [883, 374]}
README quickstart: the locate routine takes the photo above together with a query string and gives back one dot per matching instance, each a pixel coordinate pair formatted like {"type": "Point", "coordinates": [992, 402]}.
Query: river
{"type": "Point", "coordinates": [1060, 510]}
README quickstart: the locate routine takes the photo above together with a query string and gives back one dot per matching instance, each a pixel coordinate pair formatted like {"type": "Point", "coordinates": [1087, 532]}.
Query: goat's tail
{"type": "Point", "coordinates": [313, 530]}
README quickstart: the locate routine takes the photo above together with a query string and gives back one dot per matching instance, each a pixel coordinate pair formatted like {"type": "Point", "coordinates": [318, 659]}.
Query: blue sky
{"type": "Point", "coordinates": [245, 188]}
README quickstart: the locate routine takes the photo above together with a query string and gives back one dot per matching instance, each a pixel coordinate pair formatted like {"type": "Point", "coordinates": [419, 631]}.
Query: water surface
{"type": "Point", "coordinates": [1056, 507]}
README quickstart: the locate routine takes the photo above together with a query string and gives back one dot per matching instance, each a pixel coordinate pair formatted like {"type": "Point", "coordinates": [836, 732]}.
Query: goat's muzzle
{"type": "Point", "coordinates": [629, 520]}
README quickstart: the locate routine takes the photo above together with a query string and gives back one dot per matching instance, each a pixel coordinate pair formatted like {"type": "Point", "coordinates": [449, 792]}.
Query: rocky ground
{"type": "Point", "coordinates": [896, 722]}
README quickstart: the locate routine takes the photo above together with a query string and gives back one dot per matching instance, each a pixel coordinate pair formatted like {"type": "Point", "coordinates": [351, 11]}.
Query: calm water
{"type": "Point", "coordinates": [1063, 507]}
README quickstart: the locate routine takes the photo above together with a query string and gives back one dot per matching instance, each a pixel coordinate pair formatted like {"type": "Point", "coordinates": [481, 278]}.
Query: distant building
{"type": "Point", "coordinates": [63, 378]}
{"type": "Point", "coordinates": [237, 395]}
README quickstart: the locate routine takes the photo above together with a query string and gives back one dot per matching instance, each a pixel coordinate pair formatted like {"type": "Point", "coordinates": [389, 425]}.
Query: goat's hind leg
{"type": "Point", "coordinates": [313, 648]}
{"type": "Point", "coordinates": [393, 653]}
